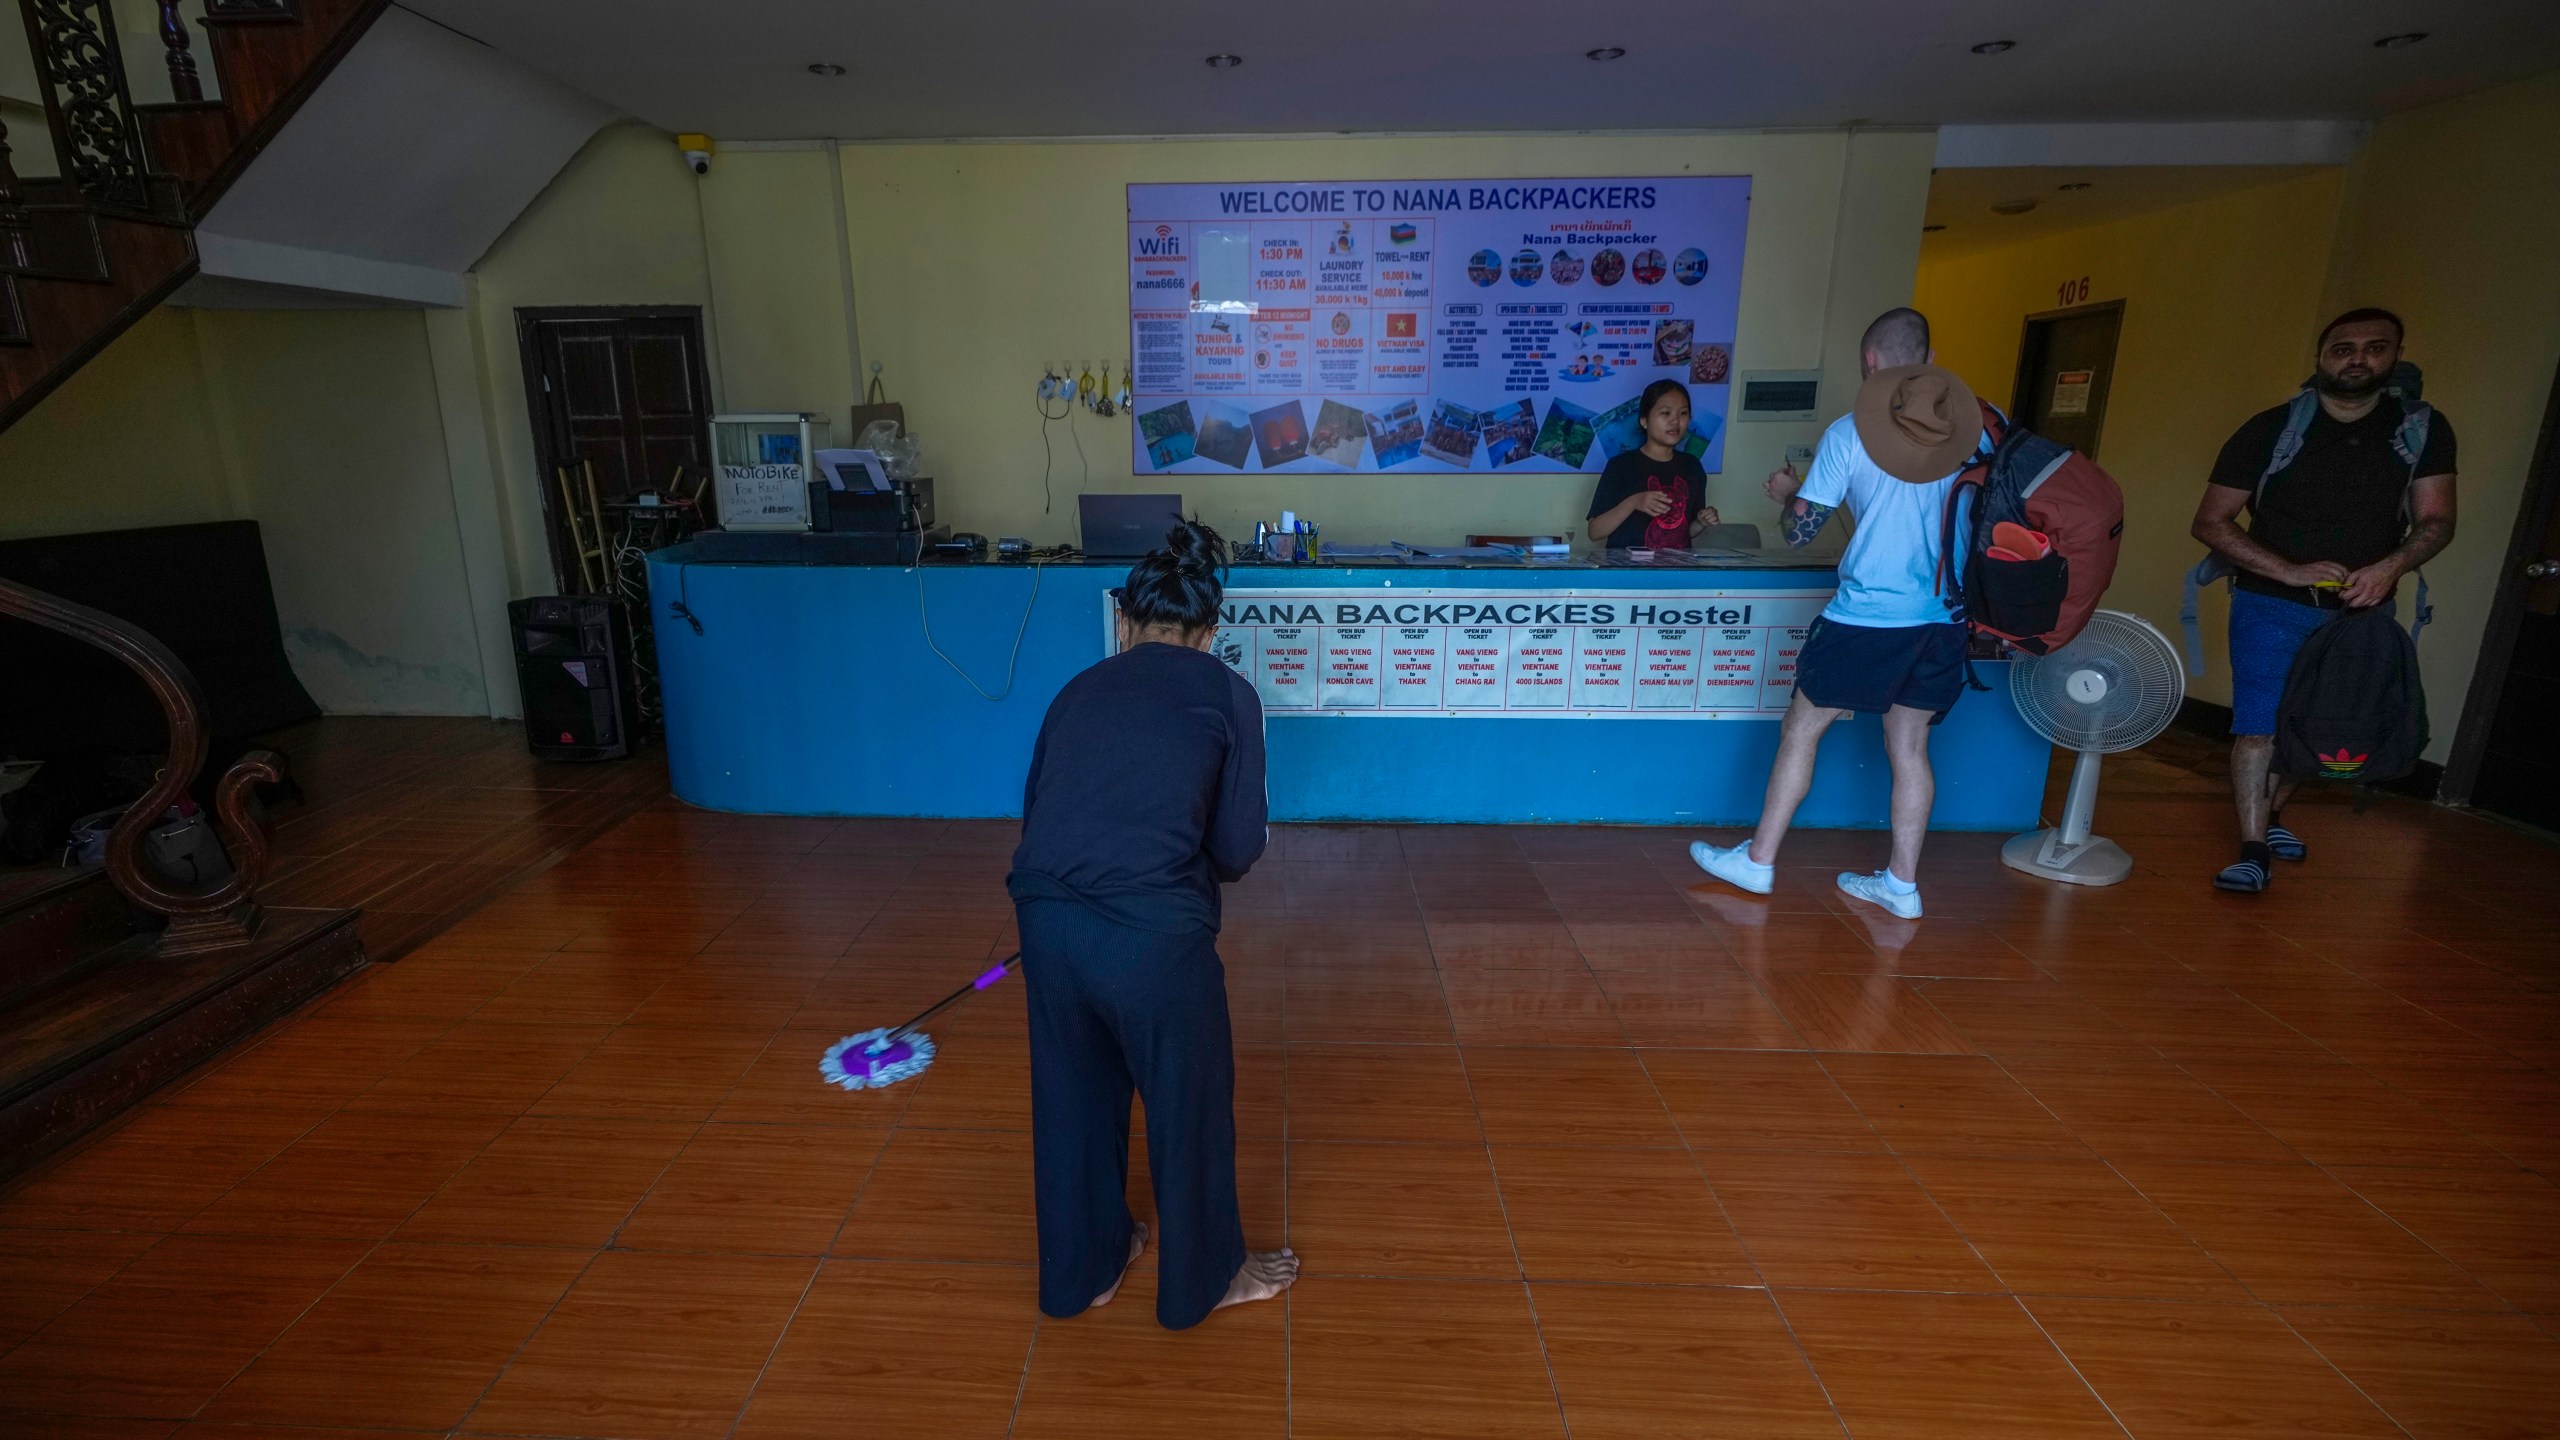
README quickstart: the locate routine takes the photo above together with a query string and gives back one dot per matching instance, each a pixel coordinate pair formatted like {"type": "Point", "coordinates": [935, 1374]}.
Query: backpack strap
{"type": "Point", "coordinates": [2298, 416]}
{"type": "Point", "coordinates": [2207, 570]}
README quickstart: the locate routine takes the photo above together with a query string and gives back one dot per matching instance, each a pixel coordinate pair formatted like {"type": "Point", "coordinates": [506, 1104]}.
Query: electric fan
{"type": "Point", "coordinates": [2111, 689]}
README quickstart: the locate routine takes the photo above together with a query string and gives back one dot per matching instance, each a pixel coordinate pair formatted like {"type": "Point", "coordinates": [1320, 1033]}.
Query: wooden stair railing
{"type": "Point", "coordinates": [85, 255]}
{"type": "Point", "coordinates": [216, 917]}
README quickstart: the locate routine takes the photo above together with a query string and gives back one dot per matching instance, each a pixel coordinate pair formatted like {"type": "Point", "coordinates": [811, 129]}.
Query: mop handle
{"type": "Point", "coordinates": [1002, 969]}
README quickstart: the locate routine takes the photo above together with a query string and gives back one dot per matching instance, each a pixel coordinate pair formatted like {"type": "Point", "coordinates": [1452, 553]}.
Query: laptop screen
{"type": "Point", "coordinates": [1126, 527]}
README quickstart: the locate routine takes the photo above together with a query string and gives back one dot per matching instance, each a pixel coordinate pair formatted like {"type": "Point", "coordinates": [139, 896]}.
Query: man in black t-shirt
{"type": "Point", "coordinates": [2333, 528]}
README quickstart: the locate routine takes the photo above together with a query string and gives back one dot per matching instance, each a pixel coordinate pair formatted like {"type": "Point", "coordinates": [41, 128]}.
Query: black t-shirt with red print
{"type": "Point", "coordinates": [1680, 477]}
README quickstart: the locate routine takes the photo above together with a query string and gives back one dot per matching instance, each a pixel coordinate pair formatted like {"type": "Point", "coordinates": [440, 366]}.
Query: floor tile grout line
{"type": "Point", "coordinates": [2008, 1290]}
{"type": "Point", "coordinates": [1698, 1163]}
{"type": "Point", "coordinates": [1528, 1292]}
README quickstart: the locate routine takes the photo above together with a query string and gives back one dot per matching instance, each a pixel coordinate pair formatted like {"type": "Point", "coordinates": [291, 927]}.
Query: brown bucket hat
{"type": "Point", "coordinates": [1919, 422]}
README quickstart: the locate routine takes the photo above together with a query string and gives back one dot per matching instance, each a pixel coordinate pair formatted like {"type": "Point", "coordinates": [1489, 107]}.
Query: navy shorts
{"type": "Point", "coordinates": [2266, 634]}
{"type": "Point", "coordinates": [1871, 670]}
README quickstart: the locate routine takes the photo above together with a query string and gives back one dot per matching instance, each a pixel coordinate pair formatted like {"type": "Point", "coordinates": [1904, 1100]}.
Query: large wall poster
{"type": "Point", "coordinates": [1427, 326]}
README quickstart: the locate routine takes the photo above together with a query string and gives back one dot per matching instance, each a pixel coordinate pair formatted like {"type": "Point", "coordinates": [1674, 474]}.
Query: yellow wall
{"type": "Point", "coordinates": [2453, 220]}
{"type": "Point", "coordinates": [330, 417]}
{"type": "Point", "coordinates": [127, 441]}
{"type": "Point", "coordinates": [2221, 299]}
{"type": "Point", "coordinates": [621, 225]}
{"type": "Point", "coordinates": [317, 424]}
{"type": "Point", "coordinates": [974, 264]}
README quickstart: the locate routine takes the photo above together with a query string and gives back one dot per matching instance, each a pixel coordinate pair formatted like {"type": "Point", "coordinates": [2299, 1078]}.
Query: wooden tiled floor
{"type": "Point", "coordinates": [1571, 1142]}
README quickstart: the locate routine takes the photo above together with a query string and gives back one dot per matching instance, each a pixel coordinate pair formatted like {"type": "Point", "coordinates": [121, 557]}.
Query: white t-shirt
{"type": "Point", "coordinates": [1889, 576]}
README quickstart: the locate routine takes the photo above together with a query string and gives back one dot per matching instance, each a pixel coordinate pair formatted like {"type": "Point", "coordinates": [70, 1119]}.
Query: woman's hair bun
{"type": "Point", "coordinates": [1195, 548]}
{"type": "Point", "coordinates": [1178, 585]}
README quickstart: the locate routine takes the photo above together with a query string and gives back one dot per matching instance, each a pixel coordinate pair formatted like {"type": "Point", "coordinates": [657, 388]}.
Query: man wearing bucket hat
{"type": "Point", "coordinates": [1885, 644]}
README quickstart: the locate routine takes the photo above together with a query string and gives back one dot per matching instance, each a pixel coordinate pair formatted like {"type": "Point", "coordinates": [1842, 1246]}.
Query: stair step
{"type": "Point", "coordinates": [54, 923]}
{"type": "Point", "coordinates": [190, 141]}
{"type": "Point", "coordinates": [65, 244]}
{"type": "Point", "coordinates": [134, 1020]}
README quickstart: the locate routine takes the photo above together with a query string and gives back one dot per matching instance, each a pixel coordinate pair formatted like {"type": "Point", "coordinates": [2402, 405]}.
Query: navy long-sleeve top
{"type": "Point", "coordinates": [1146, 791]}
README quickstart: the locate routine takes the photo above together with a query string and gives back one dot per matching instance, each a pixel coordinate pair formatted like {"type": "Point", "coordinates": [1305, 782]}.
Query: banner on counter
{"type": "Point", "coordinates": [1427, 326]}
{"type": "Point", "coordinates": [1714, 654]}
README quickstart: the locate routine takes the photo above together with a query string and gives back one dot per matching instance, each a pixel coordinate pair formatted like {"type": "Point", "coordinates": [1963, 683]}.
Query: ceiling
{"type": "Point", "coordinates": [1961, 200]}
{"type": "Point", "coordinates": [964, 68]}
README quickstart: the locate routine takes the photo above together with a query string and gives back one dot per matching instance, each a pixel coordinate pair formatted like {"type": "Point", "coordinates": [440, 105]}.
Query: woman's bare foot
{"type": "Point", "coordinates": [1137, 1245]}
{"type": "Point", "coordinates": [1265, 1273]}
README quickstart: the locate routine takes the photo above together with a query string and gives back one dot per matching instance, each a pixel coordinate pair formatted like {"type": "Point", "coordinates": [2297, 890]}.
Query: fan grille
{"type": "Point", "coordinates": [2133, 670]}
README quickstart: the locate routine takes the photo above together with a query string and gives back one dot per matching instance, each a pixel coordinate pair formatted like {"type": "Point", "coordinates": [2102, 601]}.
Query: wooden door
{"type": "Point", "coordinates": [2510, 765]}
{"type": "Point", "coordinates": [625, 389]}
{"type": "Point", "coordinates": [2066, 364]}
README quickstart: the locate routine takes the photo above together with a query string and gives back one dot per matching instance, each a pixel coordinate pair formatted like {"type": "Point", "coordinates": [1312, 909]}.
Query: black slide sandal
{"type": "Point", "coordinates": [2247, 877]}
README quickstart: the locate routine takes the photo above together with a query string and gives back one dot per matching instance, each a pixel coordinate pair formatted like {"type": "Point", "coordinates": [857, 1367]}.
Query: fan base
{"type": "Point", "coordinates": [2092, 862]}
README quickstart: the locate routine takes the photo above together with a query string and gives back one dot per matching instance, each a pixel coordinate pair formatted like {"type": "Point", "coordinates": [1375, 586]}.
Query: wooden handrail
{"type": "Point", "coordinates": [215, 917]}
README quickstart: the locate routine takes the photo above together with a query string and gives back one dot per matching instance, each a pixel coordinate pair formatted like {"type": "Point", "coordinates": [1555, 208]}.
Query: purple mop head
{"type": "Point", "coordinates": [872, 1059]}
{"type": "Point", "coordinates": [851, 1064]}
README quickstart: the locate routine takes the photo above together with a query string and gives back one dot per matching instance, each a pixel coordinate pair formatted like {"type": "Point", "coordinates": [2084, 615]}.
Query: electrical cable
{"type": "Point", "coordinates": [1012, 662]}
{"type": "Point", "coordinates": [1045, 455]}
{"type": "Point", "coordinates": [682, 609]}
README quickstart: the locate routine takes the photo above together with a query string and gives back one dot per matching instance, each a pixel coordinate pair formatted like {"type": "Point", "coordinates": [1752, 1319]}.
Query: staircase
{"type": "Point", "coordinates": [114, 981]}
{"type": "Point", "coordinates": [85, 253]}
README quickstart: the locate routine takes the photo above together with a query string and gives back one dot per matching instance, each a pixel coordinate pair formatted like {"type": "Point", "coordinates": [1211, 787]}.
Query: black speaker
{"type": "Point", "coordinates": [573, 666]}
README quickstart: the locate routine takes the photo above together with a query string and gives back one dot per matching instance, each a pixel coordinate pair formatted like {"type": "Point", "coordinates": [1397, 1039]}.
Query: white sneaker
{"type": "Point", "coordinates": [1873, 890]}
{"type": "Point", "coordinates": [1734, 866]}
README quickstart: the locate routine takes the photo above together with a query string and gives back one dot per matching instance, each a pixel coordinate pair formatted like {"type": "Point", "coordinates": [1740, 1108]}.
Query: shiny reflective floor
{"type": "Point", "coordinates": [1572, 1142]}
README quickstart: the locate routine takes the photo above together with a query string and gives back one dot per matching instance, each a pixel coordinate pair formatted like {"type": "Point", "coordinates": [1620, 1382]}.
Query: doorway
{"type": "Point", "coordinates": [2502, 759]}
{"type": "Point", "coordinates": [623, 388]}
{"type": "Point", "coordinates": [2066, 364]}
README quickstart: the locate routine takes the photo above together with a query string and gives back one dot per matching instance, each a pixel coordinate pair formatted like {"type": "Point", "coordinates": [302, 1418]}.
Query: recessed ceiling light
{"type": "Point", "coordinates": [1605, 52]}
{"type": "Point", "coordinates": [2012, 207]}
{"type": "Point", "coordinates": [1931, 229]}
{"type": "Point", "coordinates": [2401, 41]}
{"type": "Point", "coordinates": [2075, 184]}
{"type": "Point", "coordinates": [1995, 47]}
{"type": "Point", "coordinates": [1224, 61]}
{"type": "Point", "coordinates": [823, 67]}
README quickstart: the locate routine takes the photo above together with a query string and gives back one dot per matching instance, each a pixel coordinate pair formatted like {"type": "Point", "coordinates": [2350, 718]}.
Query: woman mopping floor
{"type": "Point", "coordinates": [1145, 795]}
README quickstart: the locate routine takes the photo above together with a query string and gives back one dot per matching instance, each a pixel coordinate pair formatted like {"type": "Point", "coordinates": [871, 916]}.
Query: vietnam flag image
{"type": "Point", "coordinates": [1401, 325]}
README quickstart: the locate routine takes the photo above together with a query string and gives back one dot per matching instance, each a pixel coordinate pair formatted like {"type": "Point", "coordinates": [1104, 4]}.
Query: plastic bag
{"type": "Point", "coordinates": [900, 456]}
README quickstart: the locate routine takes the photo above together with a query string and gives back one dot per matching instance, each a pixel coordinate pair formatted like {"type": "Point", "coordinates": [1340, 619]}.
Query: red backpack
{"type": "Point", "coordinates": [2031, 554]}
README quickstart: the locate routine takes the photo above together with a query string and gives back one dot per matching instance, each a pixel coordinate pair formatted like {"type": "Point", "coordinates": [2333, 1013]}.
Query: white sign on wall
{"type": "Point", "coordinates": [1713, 654]}
{"type": "Point", "coordinates": [1427, 326]}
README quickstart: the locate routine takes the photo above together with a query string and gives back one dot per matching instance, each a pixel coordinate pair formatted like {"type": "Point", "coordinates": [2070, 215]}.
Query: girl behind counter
{"type": "Point", "coordinates": [1655, 495]}
{"type": "Point", "coordinates": [1145, 794]}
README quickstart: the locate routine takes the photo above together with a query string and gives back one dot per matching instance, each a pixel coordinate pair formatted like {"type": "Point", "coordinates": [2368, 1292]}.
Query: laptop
{"type": "Point", "coordinates": [1125, 527]}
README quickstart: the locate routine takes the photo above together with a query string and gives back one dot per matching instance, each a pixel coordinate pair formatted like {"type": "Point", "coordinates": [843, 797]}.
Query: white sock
{"type": "Point", "coordinates": [1895, 884]}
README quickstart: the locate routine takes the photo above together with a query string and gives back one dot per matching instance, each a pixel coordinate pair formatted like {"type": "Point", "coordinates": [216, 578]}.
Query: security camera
{"type": "Point", "coordinates": [697, 152]}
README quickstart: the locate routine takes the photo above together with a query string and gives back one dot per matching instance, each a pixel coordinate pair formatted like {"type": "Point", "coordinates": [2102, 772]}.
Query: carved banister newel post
{"type": "Point", "coordinates": [183, 84]}
{"type": "Point", "coordinates": [17, 251]}
{"type": "Point", "coordinates": [216, 917]}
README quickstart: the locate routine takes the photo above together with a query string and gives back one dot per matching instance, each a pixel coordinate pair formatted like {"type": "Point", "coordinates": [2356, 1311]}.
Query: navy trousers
{"type": "Point", "coordinates": [1115, 1012]}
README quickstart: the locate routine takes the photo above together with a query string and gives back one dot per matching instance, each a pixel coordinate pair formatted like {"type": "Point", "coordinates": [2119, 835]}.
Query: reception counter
{"type": "Point", "coordinates": [1588, 689]}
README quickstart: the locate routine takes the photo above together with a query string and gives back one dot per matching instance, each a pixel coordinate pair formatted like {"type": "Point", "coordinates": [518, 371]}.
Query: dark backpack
{"type": "Point", "coordinates": [2353, 706]}
{"type": "Point", "coordinates": [2036, 603]}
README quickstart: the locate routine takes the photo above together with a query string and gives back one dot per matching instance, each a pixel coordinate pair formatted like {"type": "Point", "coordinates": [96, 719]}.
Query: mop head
{"type": "Point", "coordinates": [851, 1063]}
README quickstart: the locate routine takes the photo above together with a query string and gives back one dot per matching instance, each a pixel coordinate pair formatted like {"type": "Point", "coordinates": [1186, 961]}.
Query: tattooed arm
{"type": "Point", "coordinates": [1803, 520]}
{"type": "Point", "coordinates": [1799, 519]}
{"type": "Point", "coordinates": [2430, 530]}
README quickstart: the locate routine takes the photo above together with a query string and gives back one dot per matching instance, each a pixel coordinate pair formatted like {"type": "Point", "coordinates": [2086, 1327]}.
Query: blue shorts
{"type": "Point", "coordinates": [2266, 633]}
{"type": "Point", "coordinates": [1871, 669]}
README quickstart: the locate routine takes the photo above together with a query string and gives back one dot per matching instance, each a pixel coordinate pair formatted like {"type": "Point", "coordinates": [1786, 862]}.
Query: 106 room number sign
{"type": "Point", "coordinates": [1715, 654]}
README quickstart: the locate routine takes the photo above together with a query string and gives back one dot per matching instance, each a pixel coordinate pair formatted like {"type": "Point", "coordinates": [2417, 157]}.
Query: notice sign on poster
{"type": "Point", "coordinates": [1427, 325]}
{"type": "Point", "coordinates": [1713, 654]}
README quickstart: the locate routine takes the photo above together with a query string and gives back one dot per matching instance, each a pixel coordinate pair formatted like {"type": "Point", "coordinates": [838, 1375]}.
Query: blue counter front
{"type": "Point", "coordinates": [818, 690]}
